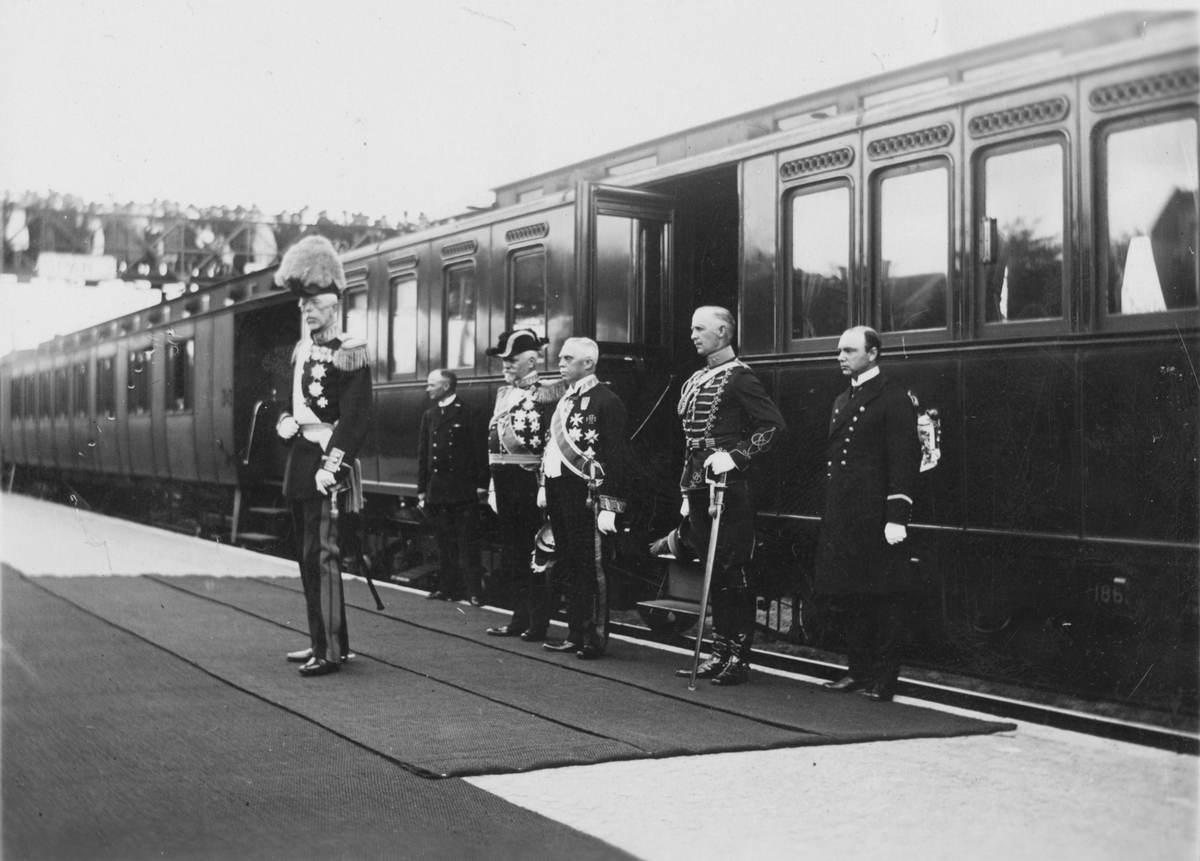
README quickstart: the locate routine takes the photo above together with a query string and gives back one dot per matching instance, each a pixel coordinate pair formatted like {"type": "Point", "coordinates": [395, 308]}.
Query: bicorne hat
{"type": "Point", "coordinates": [310, 267]}
{"type": "Point", "coordinates": [515, 342]}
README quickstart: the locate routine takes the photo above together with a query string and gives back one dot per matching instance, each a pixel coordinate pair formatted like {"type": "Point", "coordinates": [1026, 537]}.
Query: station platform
{"type": "Point", "coordinates": [148, 712]}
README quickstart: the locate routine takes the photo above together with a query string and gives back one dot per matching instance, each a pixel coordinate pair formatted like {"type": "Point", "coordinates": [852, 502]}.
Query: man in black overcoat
{"type": "Point", "coordinates": [728, 422]}
{"type": "Point", "coordinates": [587, 441]}
{"type": "Point", "coordinates": [452, 482]}
{"type": "Point", "coordinates": [862, 560]}
{"type": "Point", "coordinates": [516, 442]}
{"type": "Point", "coordinates": [326, 425]}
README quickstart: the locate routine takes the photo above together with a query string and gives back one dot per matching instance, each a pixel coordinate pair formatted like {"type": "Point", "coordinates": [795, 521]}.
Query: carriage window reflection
{"type": "Point", "coordinates": [1150, 213]}
{"type": "Point", "coordinates": [354, 313]}
{"type": "Point", "coordinates": [614, 284]}
{"type": "Point", "coordinates": [81, 385]}
{"type": "Point", "coordinates": [404, 326]}
{"type": "Point", "coordinates": [137, 381]}
{"type": "Point", "coordinates": [61, 392]}
{"type": "Point", "coordinates": [820, 255]}
{"type": "Point", "coordinates": [106, 387]}
{"type": "Point", "coordinates": [1023, 197]}
{"type": "Point", "coordinates": [181, 366]}
{"type": "Point", "coordinates": [527, 275]}
{"type": "Point", "coordinates": [913, 248]}
{"type": "Point", "coordinates": [460, 317]}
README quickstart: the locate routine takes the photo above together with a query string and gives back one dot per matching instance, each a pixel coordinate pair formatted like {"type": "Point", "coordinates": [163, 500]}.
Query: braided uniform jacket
{"type": "Point", "coordinates": [726, 409]}
{"type": "Point", "coordinates": [334, 389]}
{"type": "Point", "coordinates": [521, 421]}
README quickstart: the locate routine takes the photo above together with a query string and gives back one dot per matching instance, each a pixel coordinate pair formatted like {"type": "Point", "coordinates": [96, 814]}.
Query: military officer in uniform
{"type": "Point", "coordinates": [516, 441]}
{"type": "Point", "coordinates": [452, 482]}
{"type": "Point", "coordinates": [873, 459]}
{"type": "Point", "coordinates": [587, 444]}
{"type": "Point", "coordinates": [326, 425]}
{"type": "Point", "coordinates": [728, 421]}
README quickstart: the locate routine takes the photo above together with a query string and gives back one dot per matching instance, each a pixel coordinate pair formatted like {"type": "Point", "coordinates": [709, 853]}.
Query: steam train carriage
{"type": "Point", "coordinates": [1020, 223]}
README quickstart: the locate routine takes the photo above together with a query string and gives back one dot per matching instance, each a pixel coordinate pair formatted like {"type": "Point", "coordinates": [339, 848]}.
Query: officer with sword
{"type": "Point", "coordinates": [728, 421]}
{"type": "Point", "coordinates": [583, 468]}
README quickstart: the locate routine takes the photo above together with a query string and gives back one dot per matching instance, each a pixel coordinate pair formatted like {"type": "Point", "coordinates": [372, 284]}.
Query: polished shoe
{"type": "Point", "coordinates": [505, 631]}
{"type": "Point", "coordinates": [880, 692]}
{"type": "Point", "coordinates": [319, 667]}
{"type": "Point", "coordinates": [533, 636]}
{"type": "Point", "coordinates": [476, 601]}
{"type": "Point", "coordinates": [844, 685]}
{"type": "Point", "coordinates": [589, 653]}
{"type": "Point", "coordinates": [716, 661]}
{"type": "Point", "coordinates": [735, 672]}
{"type": "Point", "coordinates": [438, 595]}
{"type": "Point", "coordinates": [299, 657]}
{"type": "Point", "coordinates": [564, 646]}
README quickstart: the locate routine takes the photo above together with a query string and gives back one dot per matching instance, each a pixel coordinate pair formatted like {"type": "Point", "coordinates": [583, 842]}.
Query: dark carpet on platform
{"type": "Point", "coordinates": [431, 691]}
{"type": "Point", "coordinates": [115, 748]}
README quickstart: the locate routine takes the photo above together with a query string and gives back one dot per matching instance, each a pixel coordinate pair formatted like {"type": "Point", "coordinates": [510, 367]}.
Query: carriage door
{"type": "Point", "coordinates": [624, 272]}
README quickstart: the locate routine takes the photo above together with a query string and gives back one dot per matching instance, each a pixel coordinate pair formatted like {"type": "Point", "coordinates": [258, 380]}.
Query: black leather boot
{"type": "Point", "coordinates": [715, 663]}
{"type": "Point", "coordinates": [737, 669]}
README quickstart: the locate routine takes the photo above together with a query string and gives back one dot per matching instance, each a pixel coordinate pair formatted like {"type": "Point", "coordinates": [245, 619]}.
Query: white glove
{"type": "Point", "coordinates": [420, 500]}
{"type": "Point", "coordinates": [895, 533]}
{"type": "Point", "coordinates": [482, 494]}
{"type": "Point", "coordinates": [287, 427]}
{"type": "Point", "coordinates": [720, 462]}
{"type": "Point", "coordinates": [325, 480]}
{"type": "Point", "coordinates": [607, 522]}
{"type": "Point", "coordinates": [541, 497]}
{"type": "Point", "coordinates": [686, 508]}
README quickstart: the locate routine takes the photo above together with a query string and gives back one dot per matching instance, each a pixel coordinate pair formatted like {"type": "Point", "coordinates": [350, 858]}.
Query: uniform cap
{"type": "Point", "coordinates": [310, 267]}
{"type": "Point", "coordinates": [515, 342]}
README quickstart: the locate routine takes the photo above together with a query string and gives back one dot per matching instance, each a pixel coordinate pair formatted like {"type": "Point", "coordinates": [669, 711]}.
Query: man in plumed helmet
{"type": "Point", "coordinates": [325, 425]}
{"type": "Point", "coordinates": [728, 422]}
{"type": "Point", "coordinates": [516, 439]}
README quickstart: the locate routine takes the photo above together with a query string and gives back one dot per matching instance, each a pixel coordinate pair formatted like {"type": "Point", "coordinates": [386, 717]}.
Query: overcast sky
{"type": "Point", "coordinates": [392, 107]}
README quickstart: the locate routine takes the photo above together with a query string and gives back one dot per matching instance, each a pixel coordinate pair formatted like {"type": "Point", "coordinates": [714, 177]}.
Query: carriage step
{"type": "Point", "coordinates": [417, 572]}
{"type": "Point", "coordinates": [269, 509]}
{"type": "Point", "coordinates": [675, 606]}
{"type": "Point", "coordinates": [255, 537]}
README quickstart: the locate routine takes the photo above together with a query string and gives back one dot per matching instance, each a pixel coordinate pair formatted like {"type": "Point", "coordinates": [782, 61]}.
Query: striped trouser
{"type": "Point", "coordinates": [321, 574]}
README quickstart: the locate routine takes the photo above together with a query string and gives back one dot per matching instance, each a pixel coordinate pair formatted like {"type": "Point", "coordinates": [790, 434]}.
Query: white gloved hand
{"type": "Point", "coordinates": [541, 502]}
{"type": "Point", "coordinates": [607, 522]}
{"type": "Point", "coordinates": [325, 480]}
{"type": "Point", "coordinates": [287, 427]}
{"type": "Point", "coordinates": [686, 508]}
{"type": "Point", "coordinates": [895, 533]}
{"type": "Point", "coordinates": [420, 500]}
{"type": "Point", "coordinates": [720, 462]}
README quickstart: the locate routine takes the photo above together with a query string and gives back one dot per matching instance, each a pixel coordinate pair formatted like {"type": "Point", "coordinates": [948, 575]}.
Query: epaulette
{"type": "Point", "coordinates": [549, 393]}
{"type": "Point", "coordinates": [352, 355]}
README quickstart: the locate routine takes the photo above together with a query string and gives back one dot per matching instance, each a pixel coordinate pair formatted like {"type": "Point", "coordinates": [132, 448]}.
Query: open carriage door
{"type": "Point", "coordinates": [624, 275]}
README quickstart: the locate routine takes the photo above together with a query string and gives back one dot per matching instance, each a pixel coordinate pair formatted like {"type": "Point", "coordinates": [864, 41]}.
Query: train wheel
{"type": "Point", "coordinates": [667, 626]}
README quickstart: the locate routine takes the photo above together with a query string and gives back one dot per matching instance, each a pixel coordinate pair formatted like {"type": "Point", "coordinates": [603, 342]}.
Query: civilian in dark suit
{"type": "Point", "coordinates": [587, 435]}
{"type": "Point", "coordinates": [452, 481]}
{"type": "Point", "coordinates": [874, 457]}
{"type": "Point", "coordinates": [325, 425]}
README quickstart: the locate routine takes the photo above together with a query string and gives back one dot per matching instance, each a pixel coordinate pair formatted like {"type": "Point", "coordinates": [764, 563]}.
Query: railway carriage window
{"type": "Point", "coordinates": [29, 384]}
{"type": "Point", "coordinates": [16, 403]}
{"type": "Point", "coordinates": [106, 387]}
{"type": "Point", "coordinates": [1149, 189]}
{"type": "Point", "coordinates": [82, 379]}
{"type": "Point", "coordinates": [1022, 194]}
{"type": "Point", "coordinates": [913, 248]}
{"type": "Point", "coordinates": [61, 392]}
{"type": "Point", "coordinates": [45, 408]}
{"type": "Point", "coordinates": [138, 381]}
{"type": "Point", "coordinates": [460, 317]}
{"type": "Point", "coordinates": [404, 326]}
{"type": "Point", "coordinates": [820, 255]}
{"type": "Point", "coordinates": [527, 275]}
{"type": "Point", "coordinates": [354, 314]}
{"type": "Point", "coordinates": [181, 366]}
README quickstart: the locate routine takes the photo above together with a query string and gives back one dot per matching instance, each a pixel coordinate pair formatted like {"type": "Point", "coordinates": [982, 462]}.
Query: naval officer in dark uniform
{"type": "Point", "coordinates": [728, 421]}
{"type": "Point", "coordinates": [452, 482]}
{"type": "Point", "coordinates": [516, 441]}
{"type": "Point", "coordinates": [873, 459]}
{"type": "Point", "coordinates": [326, 425]}
{"type": "Point", "coordinates": [587, 442]}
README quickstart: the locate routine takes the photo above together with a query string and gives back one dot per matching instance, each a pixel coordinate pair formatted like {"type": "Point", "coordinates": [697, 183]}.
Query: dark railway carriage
{"type": "Point", "coordinates": [1020, 223]}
